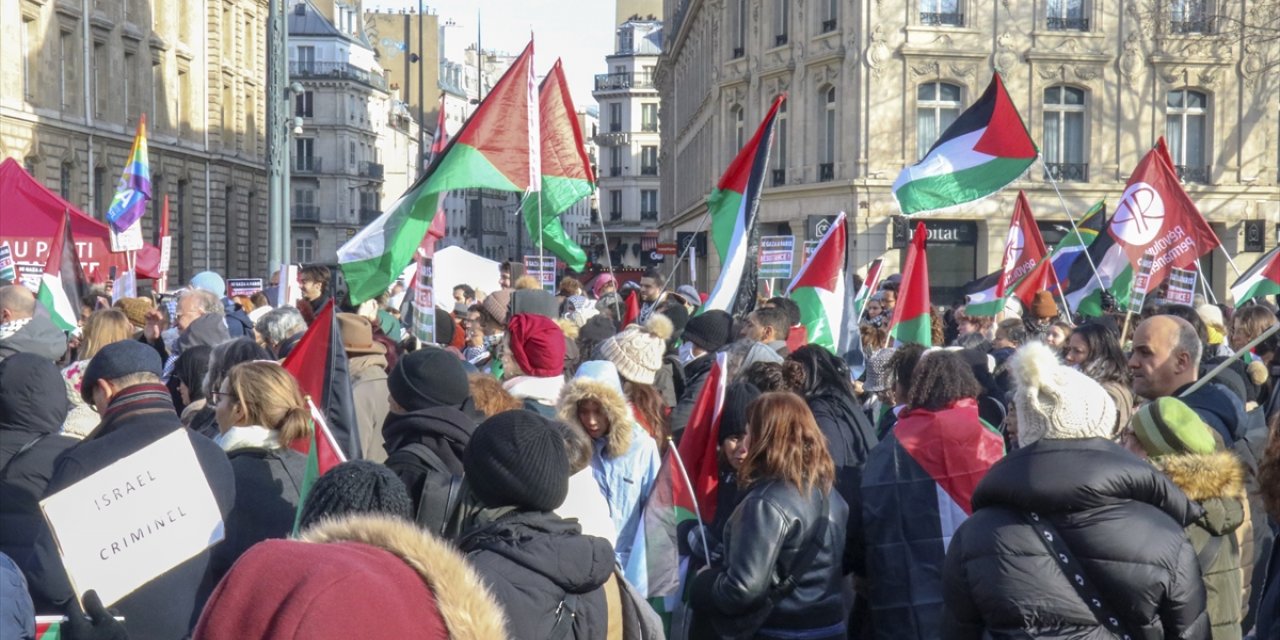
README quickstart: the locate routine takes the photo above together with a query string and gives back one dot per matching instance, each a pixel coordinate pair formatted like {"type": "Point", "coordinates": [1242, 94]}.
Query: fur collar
{"type": "Point", "coordinates": [1205, 476]}
{"type": "Point", "coordinates": [469, 610]}
{"type": "Point", "coordinates": [615, 407]}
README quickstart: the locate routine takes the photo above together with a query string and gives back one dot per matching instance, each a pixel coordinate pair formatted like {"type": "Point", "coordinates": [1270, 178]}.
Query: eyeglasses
{"type": "Point", "coordinates": [219, 395]}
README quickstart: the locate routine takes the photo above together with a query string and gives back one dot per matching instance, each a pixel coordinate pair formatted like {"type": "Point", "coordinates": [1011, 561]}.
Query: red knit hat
{"type": "Point", "coordinates": [537, 345]}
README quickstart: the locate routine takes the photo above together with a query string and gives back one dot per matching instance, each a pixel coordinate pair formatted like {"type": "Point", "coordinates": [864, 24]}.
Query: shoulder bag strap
{"type": "Point", "coordinates": [1074, 571]}
{"type": "Point", "coordinates": [565, 614]}
{"type": "Point", "coordinates": [808, 554]}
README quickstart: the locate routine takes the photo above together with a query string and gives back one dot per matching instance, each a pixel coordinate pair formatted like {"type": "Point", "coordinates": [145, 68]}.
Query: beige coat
{"type": "Point", "coordinates": [369, 392]}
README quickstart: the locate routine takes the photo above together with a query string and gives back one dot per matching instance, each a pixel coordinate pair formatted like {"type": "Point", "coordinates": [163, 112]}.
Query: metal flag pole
{"type": "Point", "coordinates": [1204, 286]}
{"type": "Point", "coordinates": [608, 261]}
{"type": "Point", "coordinates": [1092, 267]}
{"type": "Point", "coordinates": [1229, 260]}
{"type": "Point", "coordinates": [1233, 357]}
{"type": "Point", "coordinates": [680, 258]}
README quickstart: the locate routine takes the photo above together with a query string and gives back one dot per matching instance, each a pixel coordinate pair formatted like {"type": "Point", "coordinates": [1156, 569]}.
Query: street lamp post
{"type": "Point", "coordinates": [278, 125]}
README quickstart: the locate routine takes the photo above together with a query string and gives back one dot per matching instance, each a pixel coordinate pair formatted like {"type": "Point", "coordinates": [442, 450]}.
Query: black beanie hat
{"type": "Point", "coordinates": [733, 419]}
{"type": "Point", "coordinates": [517, 459]}
{"type": "Point", "coordinates": [357, 486]}
{"type": "Point", "coordinates": [711, 330]}
{"type": "Point", "coordinates": [428, 377]}
{"type": "Point", "coordinates": [443, 327]}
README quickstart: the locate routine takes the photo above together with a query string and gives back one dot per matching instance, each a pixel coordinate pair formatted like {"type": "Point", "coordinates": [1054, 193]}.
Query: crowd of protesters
{"type": "Point", "coordinates": [1026, 476]}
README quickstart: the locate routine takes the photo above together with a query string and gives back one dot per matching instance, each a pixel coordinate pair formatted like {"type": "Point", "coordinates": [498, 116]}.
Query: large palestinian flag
{"type": "Point", "coordinates": [911, 320]}
{"type": "Point", "coordinates": [63, 283]}
{"type": "Point", "coordinates": [566, 172]}
{"type": "Point", "coordinates": [496, 149]}
{"type": "Point", "coordinates": [1262, 279]}
{"type": "Point", "coordinates": [980, 297]}
{"type": "Point", "coordinates": [319, 364]}
{"type": "Point", "coordinates": [984, 150]}
{"type": "Point", "coordinates": [733, 207]}
{"type": "Point", "coordinates": [819, 290]}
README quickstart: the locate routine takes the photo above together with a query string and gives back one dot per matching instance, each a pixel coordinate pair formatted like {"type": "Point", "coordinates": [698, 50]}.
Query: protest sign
{"type": "Point", "coordinates": [424, 311]}
{"type": "Point", "coordinates": [128, 240]}
{"type": "Point", "coordinates": [1182, 286]}
{"type": "Point", "coordinates": [544, 269]}
{"type": "Point", "coordinates": [777, 254]}
{"type": "Point", "coordinates": [8, 269]}
{"type": "Point", "coordinates": [1141, 281]}
{"type": "Point", "coordinates": [288, 293]}
{"type": "Point", "coordinates": [125, 525]}
{"type": "Point", "coordinates": [243, 286]}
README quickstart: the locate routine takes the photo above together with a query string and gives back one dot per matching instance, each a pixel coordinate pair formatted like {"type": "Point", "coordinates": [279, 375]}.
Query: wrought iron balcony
{"type": "Point", "coordinates": [369, 169]}
{"type": "Point", "coordinates": [621, 81]}
{"type": "Point", "coordinates": [779, 39]}
{"type": "Point", "coordinates": [1068, 171]}
{"type": "Point", "coordinates": [826, 172]}
{"type": "Point", "coordinates": [933, 18]}
{"type": "Point", "coordinates": [649, 216]}
{"type": "Point", "coordinates": [613, 139]}
{"type": "Point", "coordinates": [779, 177]}
{"type": "Point", "coordinates": [306, 213]}
{"type": "Point", "coordinates": [651, 170]}
{"type": "Point", "coordinates": [336, 70]}
{"type": "Point", "coordinates": [1193, 173]}
{"type": "Point", "coordinates": [829, 25]}
{"type": "Point", "coordinates": [307, 164]}
{"type": "Point", "coordinates": [615, 216]}
{"type": "Point", "coordinates": [1199, 25]}
{"type": "Point", "coordinates": [1057, 23]}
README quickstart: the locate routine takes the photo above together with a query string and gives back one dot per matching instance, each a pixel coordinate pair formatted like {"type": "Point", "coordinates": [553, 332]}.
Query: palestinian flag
{"type": "Point", "coordinates": [818, 289]}
{"type": "Point", "coordinates": [63, 284]}
{"type": "Point", "coordinates": [911, 320]}
{"type": "Point", "coordinates": [496, 149]}
{"type": "Point", "coordinates": [49, 628]}
{"type": "Point", "coordinates": [981, 299]}
{"type": "Point", "coordinates": [319, 363]}
{"type": "Point", "coordinates": [984, 150]}
{"type": "Point", "coordinates": [733, 207]}
{"type": "Point", "coordinates": [437, 231]}
{"type": "Point", "coordinates": [566, 172]}
{"type": "Point", "coordinates": [1262, 279]}
{"type": "Point", "coordinates": [320, 446]}
{"type": "Point", "coordinates": [1024, 250]}
{"type": "Point", "coordinates": [1084, 292]}
{"type": "Point", "coordinates": [1073, 246]}
{"type": "Point", "coordinates": [869, 288]}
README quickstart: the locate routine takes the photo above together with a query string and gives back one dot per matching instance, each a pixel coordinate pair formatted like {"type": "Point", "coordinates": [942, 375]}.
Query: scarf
{"type": "Point", "coordinates": [252, 437]}
{"type": "Point", "coordinates": [11, 327]}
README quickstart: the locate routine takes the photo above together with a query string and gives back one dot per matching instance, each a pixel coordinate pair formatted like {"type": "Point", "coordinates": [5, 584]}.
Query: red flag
{"type": "Point", "coordinates": [436, 231]}
{"type": "Point", "coordinates": [911, 320]}
{"type": "Point", "coordinates": [1156, 217]}
{"type": "Point", "coordinates": [632, 312]}
{"type": "Point", "coordinates": [698, 449]}
{"type": "Point", "coordinates": [1023, 249]}
{"type": "Point", "coordinates": [319, 363]}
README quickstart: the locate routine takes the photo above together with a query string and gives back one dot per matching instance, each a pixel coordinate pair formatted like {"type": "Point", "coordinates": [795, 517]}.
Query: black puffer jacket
{"type": "Point", "coordinates": [531, 561]}
{"type": "Point", "coordinates": [773, 521]}
{"type": "Point", "coordinates": [445, 430]}
{"type": "Point", "coordinates": [1118, 515]}
{"type": "Point", "coordinates": [268, 489]}
{"type": "Point", "coordinates": [849, 439]}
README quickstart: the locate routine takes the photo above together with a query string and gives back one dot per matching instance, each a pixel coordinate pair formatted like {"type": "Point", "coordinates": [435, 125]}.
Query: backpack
{"type": "Point", "coordinates": [442, 491]}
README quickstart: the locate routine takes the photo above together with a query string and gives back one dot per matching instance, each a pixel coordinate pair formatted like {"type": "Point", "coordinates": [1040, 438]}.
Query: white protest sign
{"type": "Point", "coordinates": [128, 240]}
{"type": "Point", "coordinates": [129, 523]}
{"type": "Point", "coordinates": [1141, 282]}
{"type": "Point", "coordinates": [288, 292]}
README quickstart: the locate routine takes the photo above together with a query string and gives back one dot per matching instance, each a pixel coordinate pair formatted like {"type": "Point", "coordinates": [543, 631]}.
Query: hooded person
{"type": "Point", "coordinates": [533, 361]}
{"type": "Point", "coordinates": [1070, 530]}
{"type": "Point", "coordinates": [367, 363]}
{"type": "Point", "coordinates": [25, 326]}
{"type": "Point", "coordinates": [1181, 445]}
{"type": "Point", "coordinates": [33, 407]}
{"type": "Point", "coordinates": [549, 577]}
{"type": "Point", "coordinates": [334, 582]}
{"type": "Point", "coordinates": [704, 335]}
{"type": "Point", "coordinates": [123, 383]}
{"type": "Point", "coordinates": [429, 390]}
{"type": "Point", "coordinates": [624, 458]}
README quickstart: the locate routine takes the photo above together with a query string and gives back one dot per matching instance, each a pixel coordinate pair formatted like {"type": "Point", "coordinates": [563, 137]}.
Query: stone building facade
{"type": "Point", "coordinates": [77, 76]}
{"type": "Point", "coordinates": [871, 85]}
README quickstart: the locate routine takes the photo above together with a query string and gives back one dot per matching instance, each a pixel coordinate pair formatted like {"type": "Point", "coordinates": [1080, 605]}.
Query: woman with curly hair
{"type": "Point", "coordinates": [790, 524]}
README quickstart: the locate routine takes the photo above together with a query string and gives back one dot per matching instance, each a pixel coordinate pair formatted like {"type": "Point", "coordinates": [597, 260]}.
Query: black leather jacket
{"type": "Point", "coordinates": [768, 529]}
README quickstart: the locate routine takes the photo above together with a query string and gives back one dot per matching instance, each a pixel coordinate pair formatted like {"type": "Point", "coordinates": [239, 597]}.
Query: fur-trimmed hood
{"type": "Point", "coordinates": [468, 609]}
{"type": "Point", "coordinates": [1215, 480]}
{"type": "Point", "coordinates": [611, 400]}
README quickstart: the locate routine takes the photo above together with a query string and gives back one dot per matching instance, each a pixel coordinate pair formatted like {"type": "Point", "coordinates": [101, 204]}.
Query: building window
{"type": "Point", "coordinates": [615, 116]}
{"type": "Point", "coordinates": [65, 52]}
{"type": "Point", "coordinates": [1186, 134]}
{"type": "Point", "coordinates": [649, 160]}
{"type": "Point", "coordinates": [1064, 112]}
{"type": "Point", "coordinates": [781, 11]}
{"type": "Point", "coordinates": [64, 180]}
{"type": "Point", "coordinates": [615, 205]}
{"type": "Point", "coordinates": [101, 193]}
{"type": "Point", "coordinates": [303, 158]}
{"type": "Point", "coordinates": [24, 45]}
{"type": "Point", "coordinates": [649, 204]}
{"type": "Point", "coordinates": [304, 205]}
{"type": "Point", "coordinates": [649, 117]}
{"type": "Point", "coordinates": [228, 25]}
{"type": "Point", "coordinates": [303, 250]}
{"type": "Point", "coordinates": [1190, 16]}
{"type": "Point", "coordinates": [306, 59]}
{"type": "Point", "coordinates": [626, 40]}
{"type": "Point", "coordinates": [827, 146]}
{"type": "Point", "coordinates": [738, 118]}
{"type": "Point", "coordinates": [739, 25]}
{"type": "Point", "coordinates": [780, 147]}
{"type": "Point", "coordinates": [126, 78]}
{"type": "Point", "coordinates": [830, 15]}
{"type": "Point", "coordinates": [100, 82]}
{"type": "Point", "coordinates": [615, 161]}
{"type": "Point", "coordinates": [303, 105]}
{"type": "Point", "coordinates": [941, 13]}
{"type": "Point", "coordinates": [157, 84]}
{"type": "Point", "coordinates": [1066, 15]}
{"type": "Point", "coordinates": [937, 106]}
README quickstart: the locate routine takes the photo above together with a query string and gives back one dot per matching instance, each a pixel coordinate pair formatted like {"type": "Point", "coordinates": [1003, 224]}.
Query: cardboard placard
{"type": "Point", "coordinates": [128, 240]}
{"type": "Point", "coordinates": [125, 525]}
{"type": "Point", "coordinates": [1182, 286]}
{"type": "Point", "coordinates": [424, 306]}
{"type": "Point", "coordinates": [777, 255]}
{"type": "Point", "coordinates": [243, 286]}
{"type": "Point", "coordinates": [544, 269]}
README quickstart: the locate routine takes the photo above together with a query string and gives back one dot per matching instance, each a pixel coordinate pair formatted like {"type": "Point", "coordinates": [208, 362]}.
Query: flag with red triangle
{"type": "Point", "coordinates": [819, 289]}
{"type": "Point", "coordinates": [437, 231]}
{"type": "Point", "coordinates": [1024, 248]}
{"type": "Point", "coordinates": [911, 320]}
{"type": "Point", "coordinates": [566, 172]}
{"type": "Point", "coordinates": [319, 363]}
{"type": "Point", "coordinates": [63, 283]}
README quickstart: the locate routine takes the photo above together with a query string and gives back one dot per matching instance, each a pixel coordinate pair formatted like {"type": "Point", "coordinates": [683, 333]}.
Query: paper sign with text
{"type": "Point", "coordinates": [424, 306]}
{"type": "Point", "coordinates": [129, 523]}
{"type": "Point", "coordinates": [8, 270]}
{"type": "Point", "coordinates": [1141, 281]}
{"type": "Point", "coordinates": [777, 254]}
{"type": "Point", "coordinates": [243, 286]}
{"type": "Point", "coordinates": [543, 269]}
{"type": "Point", "coordinates": [1182, 286]}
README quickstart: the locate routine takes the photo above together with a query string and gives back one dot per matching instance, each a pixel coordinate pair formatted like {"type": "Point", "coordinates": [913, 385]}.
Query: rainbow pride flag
{"type": "Point", "coordinates": [134, 190]}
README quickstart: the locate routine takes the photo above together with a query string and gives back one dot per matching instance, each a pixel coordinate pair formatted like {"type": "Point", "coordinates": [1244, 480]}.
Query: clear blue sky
{"type": "Point", "coordinates": [581, 32]}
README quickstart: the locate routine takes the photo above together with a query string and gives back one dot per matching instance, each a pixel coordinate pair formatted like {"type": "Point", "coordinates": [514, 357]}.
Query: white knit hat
{"type": "Point", "coordinates": [1055, 401]}
{"type": "Point", "coordinates": [637, 351]}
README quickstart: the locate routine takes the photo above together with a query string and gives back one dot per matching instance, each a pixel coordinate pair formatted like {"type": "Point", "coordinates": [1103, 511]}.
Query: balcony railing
{"type": "Point", "coordinates": [338, 70]}
{"type": "Point", "coordinates": [1057, 23]}
{"type": "Point", "coordinates": [615, 172]}
{"type": "Point", "coordinates": [1068, 171]}
{"type": "Point", "coordinates": [1200, 25]}
{"type": "Point", "coordinates": [625, 80]}
{"type": "Point", "coordinates": [649, 216]}
{"type": "Point", "coordinates": [615, 216]}
{"type": "Point", "coordinates": [368, 215]}
{"type": "Point", "coordinates": [649, 170]}
{"type": "Point", "coordinates": [306, 213]}
{"type": "Point", "coordinates": [307, 164]}
{"type": "Point", "coordinates": [613, 139]}
{"type": "Point", "coordinates": [826, 172]}
{"type": "Point", "coordinates": [779, 39]}
{"type": "Point", "coordinates": [779, 177]}
{"type": "Point", "coordinates": [1193, 173]}
{"type": "Point", "coordinates": [369, 169]}
{"type": "Point", "coordinates": [829, 25]}
{"type": "Point", "coordinates": [932, 18]}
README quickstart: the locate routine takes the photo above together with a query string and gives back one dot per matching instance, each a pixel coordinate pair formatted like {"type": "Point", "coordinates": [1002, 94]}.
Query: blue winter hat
{"type": "Point", "coordinates": [117, 360]}
{"type": "Point", "coordinates": [211, 282]}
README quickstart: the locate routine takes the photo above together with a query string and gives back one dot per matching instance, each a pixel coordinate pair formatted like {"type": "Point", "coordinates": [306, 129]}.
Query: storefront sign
{"type": "Point", "coordinates": [946, 232]}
